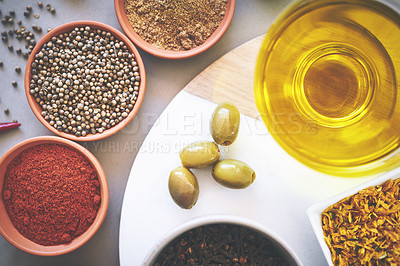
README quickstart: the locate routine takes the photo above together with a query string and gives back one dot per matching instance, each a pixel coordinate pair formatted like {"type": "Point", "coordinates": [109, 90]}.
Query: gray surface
{"type": "Point", "coordinates": [165, 79]}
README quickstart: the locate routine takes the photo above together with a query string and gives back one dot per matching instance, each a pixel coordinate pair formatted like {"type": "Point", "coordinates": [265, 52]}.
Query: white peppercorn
{"type": "Point", "coordinates": [86, 80]}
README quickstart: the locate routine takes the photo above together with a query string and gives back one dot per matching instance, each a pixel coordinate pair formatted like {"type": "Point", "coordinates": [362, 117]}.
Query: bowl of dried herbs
{"type": "Point", "coordinates": [221, 239]}
{"type": "Point", "coordinates": [361, 226]}
{"type": "Point", "coordinates": [174, 29]}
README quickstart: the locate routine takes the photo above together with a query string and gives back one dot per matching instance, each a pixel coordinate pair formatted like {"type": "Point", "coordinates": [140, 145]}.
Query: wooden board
{"type": "Point", "coordinates": [230, 78]}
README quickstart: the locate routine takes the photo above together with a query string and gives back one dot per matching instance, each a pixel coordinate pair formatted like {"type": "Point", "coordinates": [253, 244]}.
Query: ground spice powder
{"type": "Point", "coordinates": [175, 24]}
{"type": "Point", "coordinates": [51, 193]}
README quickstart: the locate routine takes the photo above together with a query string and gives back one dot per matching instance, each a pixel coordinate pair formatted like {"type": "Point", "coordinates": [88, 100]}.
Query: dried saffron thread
{"type": "Point", "coordinates": [51, 193]}
{"type": "Point", "coordinates": [364, 229]}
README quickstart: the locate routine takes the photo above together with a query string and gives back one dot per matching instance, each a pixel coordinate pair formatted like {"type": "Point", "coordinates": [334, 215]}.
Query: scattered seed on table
{"type": "Point", "coordinates": [1, 63]}
{"type": "Point", "coordinates": [18, 69]}
{"type": "Point", "coordinates": [4, 33]}
{"type": "Point", "coordinates": [6, 111]}
{"type": "Point", "coordinates": [29, 8]}
{"type": "Point", "coordinates": [19, 51]}
{"type": "Point", "coordinates": [53, 11]}
{"type": "Point", "coordinates": [10, 47]}
{"type": "Point", "coordinates": [36, 15]}
{"type": "Point", "coordinates": [4, 39]}
{"type": "Point", "coordinates": [15, 121]}
{"type": "Point", "coordinates": [26, 14]}
{"type": "Point", "coordinates": [19, 22]}
{"type": "Point", "coordinates": [40, 4]}
{"type": "Point", "coordinates": [49, 29]}
{"type": "Point", "coordinates": [14, 83]}
{"type": "Point", "coordinates": [25, 55]}
{"type": "Point", "coordinates": [48, 7]}
{"type": "Point", "coordinates": [12, 13]}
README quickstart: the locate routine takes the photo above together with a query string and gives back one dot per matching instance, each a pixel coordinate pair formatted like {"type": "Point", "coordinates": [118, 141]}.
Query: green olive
{"type": "Point", "coordinates": [183, 187]}
{"type": "Point", "coordinates": [233, 173]}
{"type": "Point", "coordinates": [199, 154]}
{"type": "Point", "coordinates": [225, 124]}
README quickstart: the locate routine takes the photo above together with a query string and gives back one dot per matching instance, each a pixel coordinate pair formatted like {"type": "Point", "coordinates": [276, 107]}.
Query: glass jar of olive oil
{"type": "Point", "coordinates": [327, 82]}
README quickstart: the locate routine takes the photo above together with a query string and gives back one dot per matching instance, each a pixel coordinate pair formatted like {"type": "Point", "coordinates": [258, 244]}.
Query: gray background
{"type": "Point", "coordinates": [165, 78]}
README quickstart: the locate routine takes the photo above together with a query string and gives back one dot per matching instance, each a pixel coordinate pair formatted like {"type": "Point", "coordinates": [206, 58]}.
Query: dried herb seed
{"type": "Point", "coordinates": [221, 244]}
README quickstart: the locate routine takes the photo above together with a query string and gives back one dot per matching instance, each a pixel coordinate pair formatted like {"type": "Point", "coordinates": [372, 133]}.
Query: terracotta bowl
{"type": "Point", "coordinates": [277, 242]}
{"type": "Point", "coordinates": [169, 54]}
{"type": "Point", "coordinates": [36, 108]}
{"type": "Point", "coordinates": [8, 230]}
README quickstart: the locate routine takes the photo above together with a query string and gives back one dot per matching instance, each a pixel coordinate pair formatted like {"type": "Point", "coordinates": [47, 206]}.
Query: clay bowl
{"type": "Point", "coordinates": [283, 249]}
{"type": "Point", "coordinates": [8, 230]}
{"type": "Point", "coordinates": [36, 108]}
{"type": "Point", "coordinates": [169, 54]}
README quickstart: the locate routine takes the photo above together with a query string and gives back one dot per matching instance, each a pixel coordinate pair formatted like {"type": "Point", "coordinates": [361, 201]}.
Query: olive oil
{"type": "Point", "coordinates": [327, 82]}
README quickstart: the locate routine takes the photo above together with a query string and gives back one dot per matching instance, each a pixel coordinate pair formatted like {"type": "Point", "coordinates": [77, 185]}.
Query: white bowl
{"type": "Point", "coordinates": [278, 242]}
{"type": "Point", "coordinates": [314, 212]}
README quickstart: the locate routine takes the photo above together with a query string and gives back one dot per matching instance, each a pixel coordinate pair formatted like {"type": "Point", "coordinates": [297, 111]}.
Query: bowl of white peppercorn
{"type": "Point", "coordinates": [85, 80]}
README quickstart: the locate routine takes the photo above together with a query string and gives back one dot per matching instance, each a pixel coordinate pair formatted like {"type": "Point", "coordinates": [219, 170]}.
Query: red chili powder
{"type": "Point", "coordinates": [51, 193]}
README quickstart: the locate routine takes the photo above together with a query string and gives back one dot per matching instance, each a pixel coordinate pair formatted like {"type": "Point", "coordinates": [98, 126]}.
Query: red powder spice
{"type": "Point", "coordinates": [51, 193]}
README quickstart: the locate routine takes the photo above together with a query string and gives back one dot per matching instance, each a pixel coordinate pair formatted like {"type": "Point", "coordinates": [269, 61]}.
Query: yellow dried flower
{"type": "Point", "coordinates": [364, 229]}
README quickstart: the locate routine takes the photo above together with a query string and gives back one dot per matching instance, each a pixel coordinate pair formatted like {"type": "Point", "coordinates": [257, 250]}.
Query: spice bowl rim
{"type": "Point", "coordinates": [170, 54]}
{"type": "Point", "coordinates": [315, 211]}
{"type": "Point", "coordinates": [66, 27]}
{"type": "Point", "coordinates": [11, 234]}
{"type": "Point", "coordinates": [221, 218]}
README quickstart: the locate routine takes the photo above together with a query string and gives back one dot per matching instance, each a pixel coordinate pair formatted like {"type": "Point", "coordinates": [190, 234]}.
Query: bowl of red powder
{"type": "Point", "coordinates": [54, 195]}
{"type": "Point", "coordinates": [174, 29]}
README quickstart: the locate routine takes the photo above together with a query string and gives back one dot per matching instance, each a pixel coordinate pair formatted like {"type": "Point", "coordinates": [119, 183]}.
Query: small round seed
{"type": "Point", "coordinates": [89, 88]}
